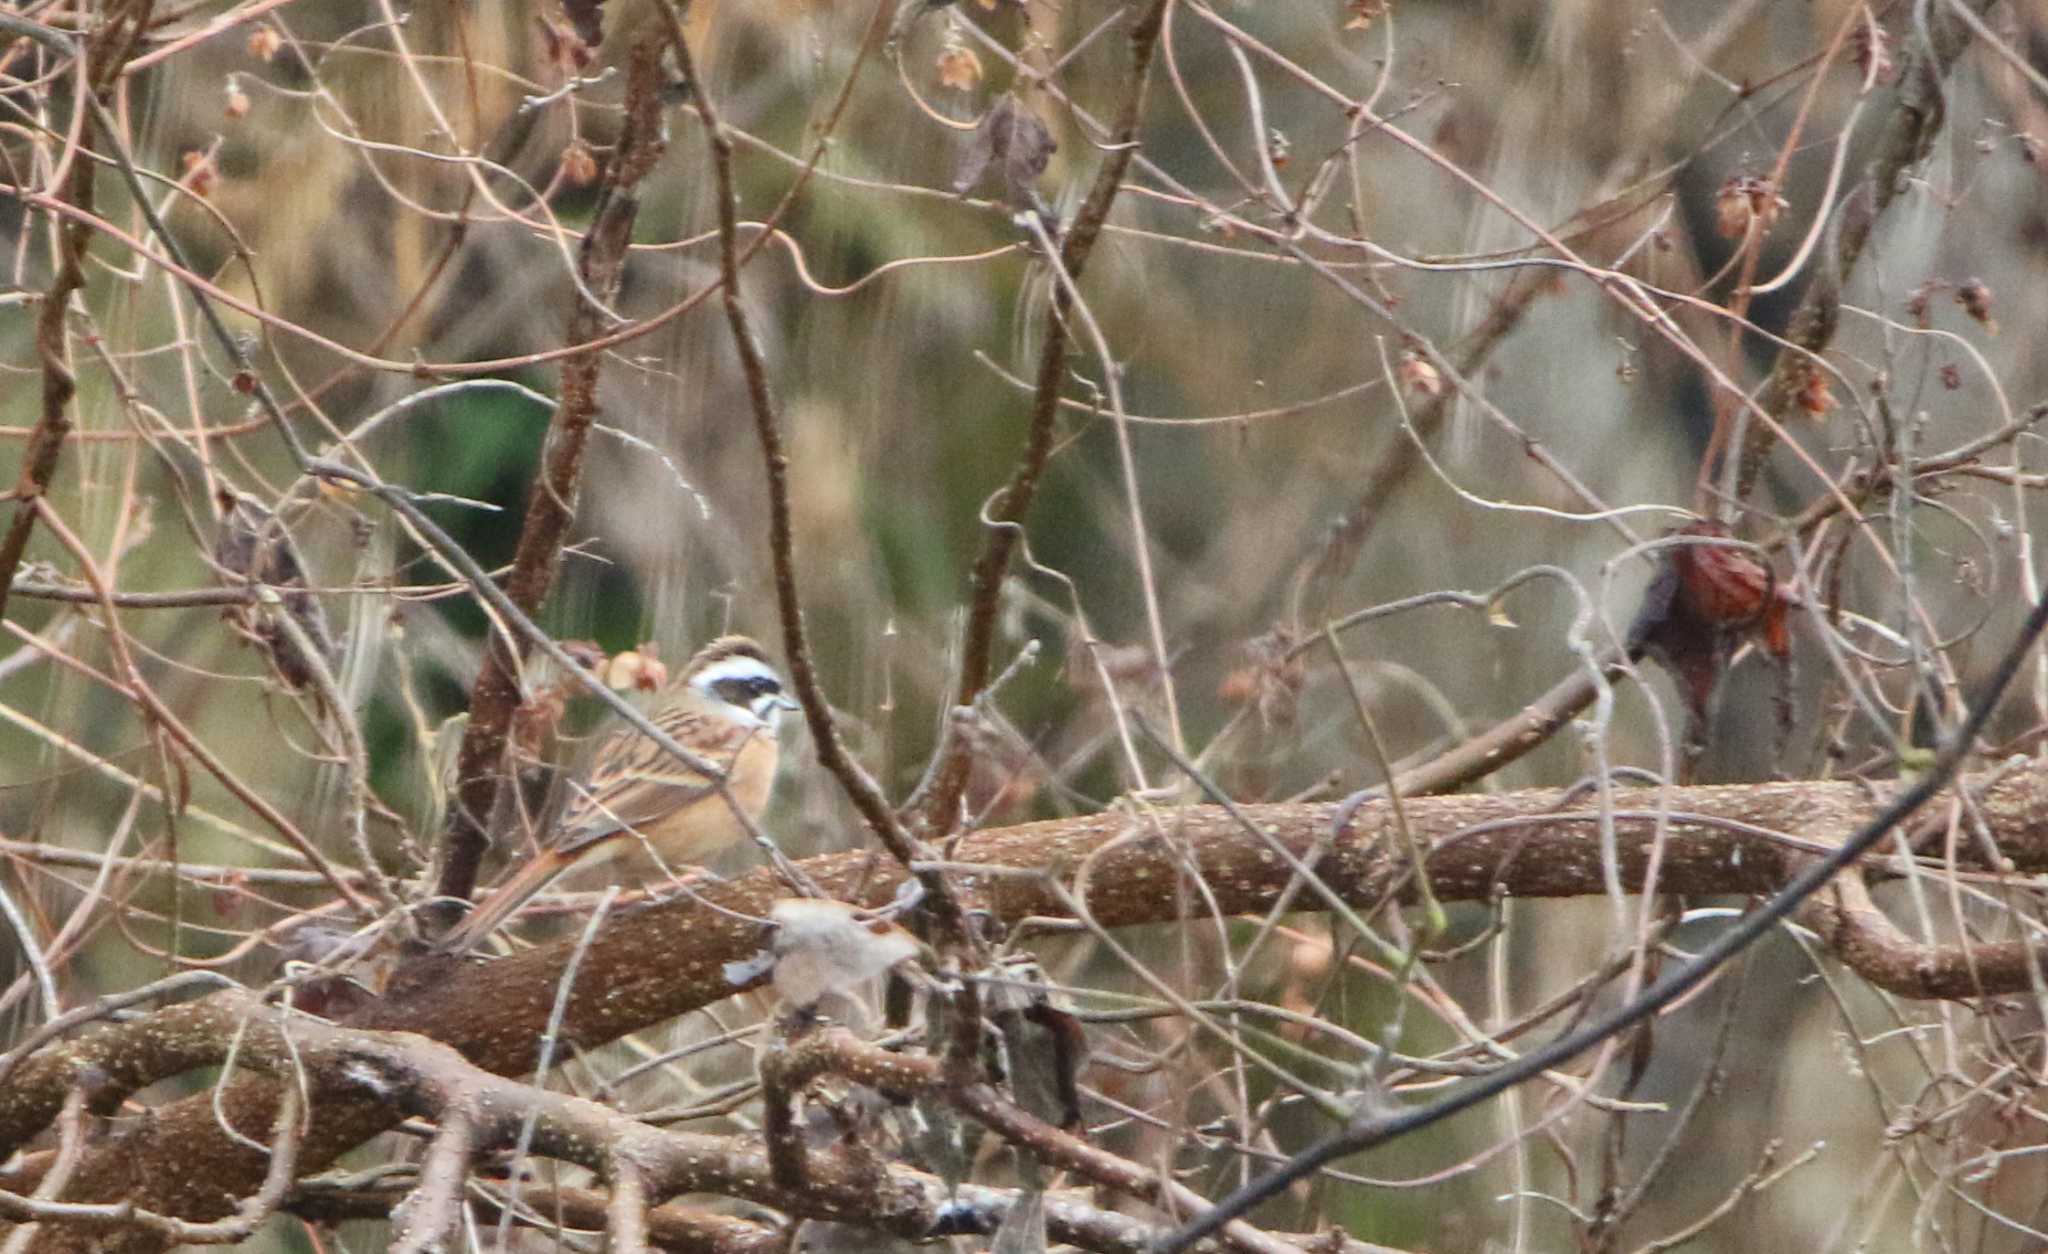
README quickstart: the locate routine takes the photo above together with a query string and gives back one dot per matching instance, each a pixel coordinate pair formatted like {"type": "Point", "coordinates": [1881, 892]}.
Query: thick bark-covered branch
{"type": "Point", "coordinates": [675, 1227]}
{"type": "Point", "coordinates": [1128, 867]}
{"type": "Point", "coordinates": [478, 1111]}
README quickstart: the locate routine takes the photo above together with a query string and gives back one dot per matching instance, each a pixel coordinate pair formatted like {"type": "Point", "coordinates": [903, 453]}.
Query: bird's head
{"type": "Point", "coordinates": [733, 671]}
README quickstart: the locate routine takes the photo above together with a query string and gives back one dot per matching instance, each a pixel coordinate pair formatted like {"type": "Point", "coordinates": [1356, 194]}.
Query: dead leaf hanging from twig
{"type": "Point", "coordinates": [1013, 136]}
{"type": "Point", "coordinates": [1704, 599]}
{"type": "Point", "coordinates": [253, 547]}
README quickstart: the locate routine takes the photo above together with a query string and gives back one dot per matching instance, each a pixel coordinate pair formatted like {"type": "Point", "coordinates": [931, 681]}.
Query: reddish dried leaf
{"type": "Point", "coordinates": [1418, 376]}
{"type": "Point", "coordinates": [1815, 398]}
{"type": "Point", "coordinates": [1702, 599]}
{"type": "Point", "coordinates": [958, 67]}
{"type": "Point", "coordinates": [1975, 298]}
{"type": "Point", "coordinates": [1359, 14]}
{"type": "Point", "coordinates": [1724, 586]}
{"type": "Point", "coordinates": [579, 166]}
{"type": "Point", "coordinates": [637, 669]}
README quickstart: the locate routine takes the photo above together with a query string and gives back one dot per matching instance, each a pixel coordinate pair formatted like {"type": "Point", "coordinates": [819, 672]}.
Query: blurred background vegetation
{"type": "Point", "coordinates": [898, 317]}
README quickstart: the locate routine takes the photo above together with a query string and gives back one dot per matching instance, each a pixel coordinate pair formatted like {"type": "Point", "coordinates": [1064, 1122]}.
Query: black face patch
{"type": "Point", "coordinates": [744, 690]}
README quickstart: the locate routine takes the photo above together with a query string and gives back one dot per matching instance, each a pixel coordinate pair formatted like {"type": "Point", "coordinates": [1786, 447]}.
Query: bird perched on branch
{"type": "Point", "coordinates": [637, 796]}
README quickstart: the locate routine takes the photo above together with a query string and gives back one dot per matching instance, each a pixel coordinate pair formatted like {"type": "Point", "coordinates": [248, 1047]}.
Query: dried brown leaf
{"type": "Point", "coordinates": [1013, 139]}
{"type": "Point", "coordinates": [579, 166]}
{"type": "Point", "coordinates": [958, 67]}
{"type": "Point", "coordinates": [252, 546]}
{"type": "Point", "coordinates": [825, 948]}
{"type": "Point", "coordinates": [1359, 14]}
{"type": "Point", "coordinates": [1418, 376]}
{"type": "Point", "coordinates": [1815, 398]}
{"type": "Point", "coordinates": [1747, 203]}
{"type": "Point", "coordinates": [1975, 298]}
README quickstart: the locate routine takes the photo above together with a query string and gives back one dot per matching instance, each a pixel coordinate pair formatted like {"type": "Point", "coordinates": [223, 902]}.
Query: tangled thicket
{"type": "Point", "coordinates": [1342, 561]}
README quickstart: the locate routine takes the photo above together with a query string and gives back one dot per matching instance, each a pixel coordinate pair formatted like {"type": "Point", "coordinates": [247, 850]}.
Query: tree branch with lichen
{"type": "Point", "coordinates": [666, 959]}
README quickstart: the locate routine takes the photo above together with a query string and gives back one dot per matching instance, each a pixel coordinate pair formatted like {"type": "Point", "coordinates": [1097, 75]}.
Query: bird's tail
{"type": "Point", "coordinates": [500, 903]}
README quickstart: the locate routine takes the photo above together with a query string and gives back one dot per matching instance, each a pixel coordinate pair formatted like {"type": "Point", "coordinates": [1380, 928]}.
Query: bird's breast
{"type": "Point", "coordinates": [709, 824]}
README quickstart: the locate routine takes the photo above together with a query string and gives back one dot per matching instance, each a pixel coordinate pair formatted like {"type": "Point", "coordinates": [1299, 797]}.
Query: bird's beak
{"type": "Point", "coordinates": [788, 703]}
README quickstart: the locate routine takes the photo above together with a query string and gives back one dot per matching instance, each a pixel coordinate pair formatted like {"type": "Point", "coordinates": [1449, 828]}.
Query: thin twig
{"type": "Point", "coordinates": [98, 59]}
{"type": "Point", "coordinates": [496, 695]}
{"type": "Point", "coordinates": [1013, 503]}
{"type": "Point", "coordinates": [1369, 1128]}
{"type": "Point", "coordinates": [550, 1040]}
{"type": "Point", "coordinates": [1915, 123]}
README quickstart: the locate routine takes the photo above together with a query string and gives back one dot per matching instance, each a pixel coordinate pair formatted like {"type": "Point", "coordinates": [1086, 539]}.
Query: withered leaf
{"type": "Point", "coordinates": [1702, 601]}
{"type": "Point", "coordinates": [1975, 298]}
{"type": "Point", "coordinates": [253, 547]}
{"type": "Point", "coordinates": [1691, 650]}
{"type": "Point", "coordinates": [1012, 137]}
{"type": "Point", "coordinates": [1043, 1047]}
{"type": "Point", "coordinates": [587, 16]}
{"type": "Point", "coordinates": [827, 953]}
{"type": "Point", "coordinates": [958, 68]}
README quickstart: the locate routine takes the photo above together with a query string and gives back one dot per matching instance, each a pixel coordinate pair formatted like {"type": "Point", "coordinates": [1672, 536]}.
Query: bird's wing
{"type": "Point", "coordinates": [635, 782]}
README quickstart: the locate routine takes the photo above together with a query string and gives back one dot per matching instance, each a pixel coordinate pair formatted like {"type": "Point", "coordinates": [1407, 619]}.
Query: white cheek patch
{"type": "Point", "coordinates": [763, 709]}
